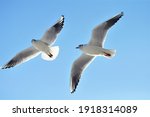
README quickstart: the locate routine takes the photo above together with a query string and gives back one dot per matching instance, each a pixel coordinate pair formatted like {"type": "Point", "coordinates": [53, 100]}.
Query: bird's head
{"type": "Point", "coordinates": [80, 46]}
{"type": "Point", "coordinates": [33, 40]}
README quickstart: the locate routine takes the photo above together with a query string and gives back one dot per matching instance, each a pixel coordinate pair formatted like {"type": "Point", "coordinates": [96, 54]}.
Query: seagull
{"type": "Point", "coordinates": [42, 46]}
{"type": "Point", "coordinates": [91, 50]}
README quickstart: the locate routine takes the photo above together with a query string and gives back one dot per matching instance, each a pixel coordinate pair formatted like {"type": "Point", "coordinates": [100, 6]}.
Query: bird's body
{"type": "Point", "coordinates": [94, 48]}
{"type": "Point", "coordinates": [42, 46]}
{"type": "Point", "coordinates": [97, 51]}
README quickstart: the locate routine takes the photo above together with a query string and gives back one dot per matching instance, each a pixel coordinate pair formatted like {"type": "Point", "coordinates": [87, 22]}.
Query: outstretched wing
{"type": "Point", "coordinates": [51, 34]}
{"type": "Point", "coordinates": [99, 32]}
{"type": "Point", "coordinates": [22, 57]}
{"type": "Point", "coordinates": [78, 67]}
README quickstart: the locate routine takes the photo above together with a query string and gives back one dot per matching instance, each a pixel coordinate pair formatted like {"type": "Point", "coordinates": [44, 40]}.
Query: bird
{"type": "Point", "coordinates": [93, 49]}
{"type": "Point", "coordinates": [44, 46]}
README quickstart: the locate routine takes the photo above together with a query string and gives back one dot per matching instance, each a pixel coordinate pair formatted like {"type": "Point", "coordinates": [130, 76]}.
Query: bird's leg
{"type": "Point", "coordinates": [107, 54]}
{"type": "Point", "coordinates": [50, 55]}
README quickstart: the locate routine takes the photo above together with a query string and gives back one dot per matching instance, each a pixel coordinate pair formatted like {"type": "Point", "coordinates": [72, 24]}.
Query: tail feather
{"type": "Point", "coordinates": [54, 51]}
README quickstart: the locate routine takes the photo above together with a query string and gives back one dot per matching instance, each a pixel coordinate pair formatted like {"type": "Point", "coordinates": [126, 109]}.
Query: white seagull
{"type": "Point", "coordinates": [92, 49]}
{"type": "Point", "coordinates": [42, 46]}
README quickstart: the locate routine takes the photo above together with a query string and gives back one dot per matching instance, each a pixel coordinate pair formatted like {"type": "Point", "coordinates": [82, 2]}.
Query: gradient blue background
{"type": "Point", "coordinates": [126, 76]}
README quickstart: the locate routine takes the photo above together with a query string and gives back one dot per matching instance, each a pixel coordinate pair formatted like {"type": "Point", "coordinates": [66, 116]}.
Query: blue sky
{"type": "Point", "coordinates": [126, 76]}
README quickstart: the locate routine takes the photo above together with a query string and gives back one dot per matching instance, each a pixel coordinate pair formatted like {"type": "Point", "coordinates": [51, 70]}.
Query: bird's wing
{"type": "Point", "coordinates": [22, 57]}
{"type": "Point", "coordinates": [51, 34]}
{"type": "Point", "coordinates": [77, 68]}
{"type": "Point", "coordinates": [99, 32]}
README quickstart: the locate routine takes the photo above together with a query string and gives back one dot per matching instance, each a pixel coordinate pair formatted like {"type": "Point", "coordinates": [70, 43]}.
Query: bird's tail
{"type": "Point", "coordinates": [54, 51]}
{"type": "Point", "coordinates": [109, 53]}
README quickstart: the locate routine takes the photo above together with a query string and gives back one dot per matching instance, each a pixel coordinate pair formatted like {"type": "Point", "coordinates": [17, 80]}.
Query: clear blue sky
{"type": "Point", "coordinates": [126, 76]}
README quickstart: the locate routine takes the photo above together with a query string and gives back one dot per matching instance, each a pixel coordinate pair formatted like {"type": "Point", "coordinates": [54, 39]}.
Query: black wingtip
{"type": "Point", "coordinates": [62, 16]}
{"type": "Point", "coordinates": [10, 64]}
{"type": "Point", "coordinates": [75, 81]}
{"type": "Point", "coordinates": [3, 68]}
{"type": "Point", "coordinates": [59, 25]}
{"type": "Point", "coordinates": [72, 91]}
{"type": "Point", "coordinates": [6, 67]}
{"type": "Point", "coordinates": [122, 13]}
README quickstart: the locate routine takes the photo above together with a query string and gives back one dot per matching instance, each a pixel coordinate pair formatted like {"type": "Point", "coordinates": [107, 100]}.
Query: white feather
{"type": "Point", "coordinates": [97, 51]}
{"type": "Point", "coordinates": [97, 39]}
{"type": "Point", "coordinates": [54, 51]}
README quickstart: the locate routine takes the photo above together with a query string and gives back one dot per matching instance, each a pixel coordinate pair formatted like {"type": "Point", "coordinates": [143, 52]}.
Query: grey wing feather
{"type": "Point", "coordinates": [22, 57]}
{"type": "Point", "coordinates": [78, 67]}
{"type": "Point", "coordinates": [51, 34]}
{"type": "Point", "coordinates": [99, 32]}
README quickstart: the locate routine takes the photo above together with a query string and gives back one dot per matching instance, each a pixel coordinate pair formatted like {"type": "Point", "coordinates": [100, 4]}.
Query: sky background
{"type": "Point", "coordinates": [126, 76]}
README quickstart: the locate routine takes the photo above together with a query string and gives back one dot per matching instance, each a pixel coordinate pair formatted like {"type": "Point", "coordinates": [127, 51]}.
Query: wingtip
{"type": "Point", "coordinates": [4, 67]}
{"type": "Point", "coordinates": [74, 83]}
{"type": "Point", "coordinates": [62, 16]}
{"type": "Point", "coordinates": [72, 91]}
{"type": "Point", "coordinates": [122, 13]}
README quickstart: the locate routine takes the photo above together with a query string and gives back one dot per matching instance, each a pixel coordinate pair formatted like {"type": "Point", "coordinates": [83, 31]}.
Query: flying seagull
{"type": "Point", "coordinates": [91, 50]}
{"type": "Point", "coordinates": [42, 46]}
